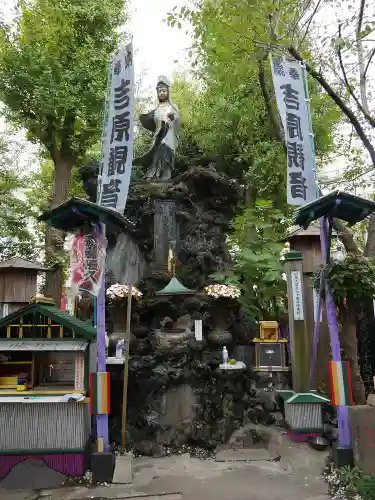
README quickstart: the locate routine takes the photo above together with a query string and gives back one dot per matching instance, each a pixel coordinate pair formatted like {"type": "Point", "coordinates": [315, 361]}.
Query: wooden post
{"type": "Point", "coordinates": [297, 325]}
{"type": "Point", "coordinates": [126, 371]}
{"type": "Point", "coordinates": [307, 241]}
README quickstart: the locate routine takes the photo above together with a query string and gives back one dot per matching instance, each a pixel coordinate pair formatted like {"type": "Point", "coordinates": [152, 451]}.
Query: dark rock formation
{"type": "Point", "coordinates": [185, 399]}
{"type": "Point", "coordinates": [177, 394]}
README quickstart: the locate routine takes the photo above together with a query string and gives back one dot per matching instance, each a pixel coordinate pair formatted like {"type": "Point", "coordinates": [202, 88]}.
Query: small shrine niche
{"type": "Point", "coordinates": [270, 350]}
{"type": "Point", "coordinates": [269, 331]}
{"type": "Point", "coordinates": [43, 348]}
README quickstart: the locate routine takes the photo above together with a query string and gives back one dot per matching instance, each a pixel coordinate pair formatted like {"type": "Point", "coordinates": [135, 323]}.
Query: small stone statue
{"type": "Point", "coordinates": [164, 121]}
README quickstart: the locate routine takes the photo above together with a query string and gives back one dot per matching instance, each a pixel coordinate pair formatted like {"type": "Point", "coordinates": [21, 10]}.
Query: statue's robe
{"type": "Point", "coordinates": [159, 159]}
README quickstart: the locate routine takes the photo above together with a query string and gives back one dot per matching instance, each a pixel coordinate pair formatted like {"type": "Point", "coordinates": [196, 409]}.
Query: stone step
{"type": "Point", "coordinates": [244, 455]}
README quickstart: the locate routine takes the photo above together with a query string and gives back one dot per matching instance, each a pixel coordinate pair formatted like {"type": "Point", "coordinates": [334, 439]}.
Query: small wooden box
{"type": "Point", "coordinates": [264, 352]}
{"type": "Point", "coordinates": [269, 331]}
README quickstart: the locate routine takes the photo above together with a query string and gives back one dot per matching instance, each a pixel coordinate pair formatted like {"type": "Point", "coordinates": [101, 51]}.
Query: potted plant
{"type": "Point", "coordinates": [117, 296]}
{"type": "Point", "coordinates": [223, 297]}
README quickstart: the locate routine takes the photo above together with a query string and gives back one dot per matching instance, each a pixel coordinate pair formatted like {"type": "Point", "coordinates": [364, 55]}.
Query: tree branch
{"type": "Point", "coordinates": [309, 22]}
{"type": "Point", "coordinates": [360, 17]}
{"type": "Point", "coordinates": [347, 237]}
{"type": "Point", "coordinates": [340, 103]}
{"type": "Point", "coordinates": [350, 88]}
{"type": "Point", "coordinates": [368, 62]}
{"type": "Point", "coordinates": [361, 62]}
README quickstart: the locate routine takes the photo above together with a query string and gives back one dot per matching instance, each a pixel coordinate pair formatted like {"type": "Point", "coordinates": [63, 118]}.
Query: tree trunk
{"type": "Point", "coordinates": [55, 239]}
{"type": "Point", "coordinates": [349, 345]}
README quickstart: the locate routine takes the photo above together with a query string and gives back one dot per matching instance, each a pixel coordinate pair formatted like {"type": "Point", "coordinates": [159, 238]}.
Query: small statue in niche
{"type": "Point", "coordinates": [164, 122]}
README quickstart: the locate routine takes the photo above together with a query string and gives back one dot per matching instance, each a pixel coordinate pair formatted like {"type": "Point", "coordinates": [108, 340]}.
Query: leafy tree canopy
{"type": "Point", "coordinates": [53, 67]}
{"type": "Point", "coordinates": [231, 44]}
{"type": "Point", "coordinates": [231, 115]}
{"type": "Point", "coordinates": [16, 236]}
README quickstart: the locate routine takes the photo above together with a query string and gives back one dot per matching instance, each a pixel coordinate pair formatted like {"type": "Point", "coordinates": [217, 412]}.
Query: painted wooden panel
{"type": "Point", "coordinates": [79, 377]}
{"type": "Point", "coordinates": [310, 249]}
{"type": "Point", "coordinates": [17, 285]}
{"type": "Point", "coordinates": [304, 416]}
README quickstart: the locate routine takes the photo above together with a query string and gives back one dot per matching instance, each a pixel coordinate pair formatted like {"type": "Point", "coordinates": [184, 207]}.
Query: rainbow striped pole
{"type": "Point", "coordinates": [99, 390]}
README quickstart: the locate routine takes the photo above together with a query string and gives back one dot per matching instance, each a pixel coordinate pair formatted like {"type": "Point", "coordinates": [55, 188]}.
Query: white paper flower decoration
{"type": "Point", "coordinates": [117, 292]}
{"type": "Point", "coordinates": [226, 291]}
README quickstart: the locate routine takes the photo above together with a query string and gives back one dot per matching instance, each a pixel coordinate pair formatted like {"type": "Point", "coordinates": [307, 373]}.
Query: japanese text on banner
{"type": "Point", "coordinates": [117, 138]}
{"type": "Point", "coordinates": [290, 94]}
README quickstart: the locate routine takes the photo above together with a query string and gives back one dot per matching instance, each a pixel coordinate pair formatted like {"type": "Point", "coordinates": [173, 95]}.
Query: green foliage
{"type": "Point", "coordinates": [257, 269]}
{"type": "Point", "coordinates": [228, 117]}
{"type": "Point", "coordinates": [38, 190]}
{"type": "Point", "coordinates": [53, 68]}
{"type": "Point", "coordinates": [366, 487]}
{"type": "Point", "coordinates": [16, 237]}
{"type": "Point", "coordinates": [350, 476]}
{"type": "Point", "coordinates": [231, 44]}
{"type": "Point", "coordinates": [351, 281]}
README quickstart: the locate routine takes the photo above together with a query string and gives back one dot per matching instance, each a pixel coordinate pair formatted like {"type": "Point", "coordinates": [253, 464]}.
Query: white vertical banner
{"type": "Point", "coordinates": [117, 138]}
{"type": "Point", "coordinates": [288, 80]}
{"type": "Point", "coordinates": [297, 293]}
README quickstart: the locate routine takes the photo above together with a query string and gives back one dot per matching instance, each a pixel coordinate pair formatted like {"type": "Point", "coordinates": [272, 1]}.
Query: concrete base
{"type": "Point", "coordinates": [102, 467]}
{"type": "Point", "coordinates": [123, 470]}
{"type": "Point", "coordinates": [342, 456]}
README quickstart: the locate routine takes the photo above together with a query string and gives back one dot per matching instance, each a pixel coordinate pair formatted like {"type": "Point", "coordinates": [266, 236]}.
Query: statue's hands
{"type": "Point", "coordinates": [170, 116]}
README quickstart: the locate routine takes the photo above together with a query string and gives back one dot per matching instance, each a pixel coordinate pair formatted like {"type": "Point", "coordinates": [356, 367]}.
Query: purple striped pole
{"type": "Point", "coordinates": [101, 420]}
{"type": "Point", "coordinates": [316, 339]}
{"type": "Point", "coordinates": [342, 411]}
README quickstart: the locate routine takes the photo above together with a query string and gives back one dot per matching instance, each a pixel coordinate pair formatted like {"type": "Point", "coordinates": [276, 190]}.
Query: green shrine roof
{"type": "Point", "coordinates": [74, 213]}
{"type": "Point", "coordinates": [307, 397]}
{"type": "Point", "coordinates": [175, 287]}
{"type": "Point", "coordinates": [81, 328]}
{"type": "Point", "coordinates": [338, 204]}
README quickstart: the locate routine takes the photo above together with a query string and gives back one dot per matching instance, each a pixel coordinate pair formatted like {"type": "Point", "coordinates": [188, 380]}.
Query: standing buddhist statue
{"type": "Point", "coordinates": [164, 122]}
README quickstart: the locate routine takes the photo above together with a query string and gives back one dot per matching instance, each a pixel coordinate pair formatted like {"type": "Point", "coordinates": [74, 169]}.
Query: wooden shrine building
{"type": "Point", "coordinates": [45, 359]}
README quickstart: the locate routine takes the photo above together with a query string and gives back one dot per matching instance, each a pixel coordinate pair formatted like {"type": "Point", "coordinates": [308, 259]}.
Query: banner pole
{"type": "Point", "coordinates": [126, 370]}
{"type": "Point", "coordinates": [101, 420]}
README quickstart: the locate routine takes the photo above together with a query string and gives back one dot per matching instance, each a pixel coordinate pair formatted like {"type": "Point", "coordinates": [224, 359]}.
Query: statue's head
{"type": "Point", "coordinates": [162, 89]}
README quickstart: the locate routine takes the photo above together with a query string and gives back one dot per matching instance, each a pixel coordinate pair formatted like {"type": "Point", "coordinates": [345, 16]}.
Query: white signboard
{"type": "Point", "coordinates": [316, 303]}
{"type": "Point", "coordinates": [117, 138]}
{"type": "Point", "coordinates": [288, 80]}
{"type": "Point", "coordinates": [79, 371]}
{"type": "Point", "coordinates": [198, 330]}
{"type": "Point", "coordinates": [43, 345]}
{"type": "Point", "coordinates": [297, 295]}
